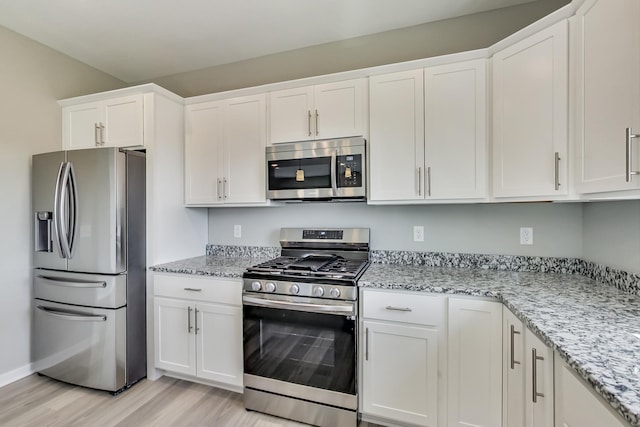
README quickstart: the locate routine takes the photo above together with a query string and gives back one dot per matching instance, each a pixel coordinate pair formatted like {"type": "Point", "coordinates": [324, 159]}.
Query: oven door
{"type": "Point", "coordinates": [301, 347]}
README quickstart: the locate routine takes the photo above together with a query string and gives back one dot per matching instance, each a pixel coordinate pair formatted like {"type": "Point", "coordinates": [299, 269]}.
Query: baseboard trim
{"type": "Point", "coordinates": [15, 375]}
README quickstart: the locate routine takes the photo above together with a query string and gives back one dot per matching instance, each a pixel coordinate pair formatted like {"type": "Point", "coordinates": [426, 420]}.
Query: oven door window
{"type": "Point", "coordinates": [300, 174]}
{"type": "Point", "coordinates": [311, 349]}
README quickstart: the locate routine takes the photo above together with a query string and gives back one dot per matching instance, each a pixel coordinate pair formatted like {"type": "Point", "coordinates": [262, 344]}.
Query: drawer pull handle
{"type": "Point", "coordinates": [193, 289]}
{"type": "Point", "coordinates": [390, 307]}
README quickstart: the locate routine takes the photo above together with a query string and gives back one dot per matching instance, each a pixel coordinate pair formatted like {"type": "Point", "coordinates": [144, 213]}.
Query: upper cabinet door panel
{"type": "Point", "coordinates": [244, 150]}
{"type": "Point", "coordinates": [339, 109]}
{"type": "Point", "coordinates": [455, 130]}
{"type": "Point", "coordinates": [290, 115]}
{"type": "Point", "coordinates": [80, 126]}
{"type": "Point", "coordinates": [608, 93]}
{"type": "Point", "coordinates": [396, 146]}
{"type": "Point", "coordinates": [123, 121]}
{"type": "Point", "coordinates": [530, 110]}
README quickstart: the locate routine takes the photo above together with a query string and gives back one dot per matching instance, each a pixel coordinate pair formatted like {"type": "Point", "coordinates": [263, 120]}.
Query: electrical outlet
{"type": "Point", "coordinates": [237, 231]}
{"type": "Point", "coordinates": [526, 235]}
{"type": "Point", "coordinates": [418, 233]}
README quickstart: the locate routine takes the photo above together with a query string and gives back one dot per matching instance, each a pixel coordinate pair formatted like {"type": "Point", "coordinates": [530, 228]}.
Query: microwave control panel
{"type": "Point", "coordinates": [350, 170]}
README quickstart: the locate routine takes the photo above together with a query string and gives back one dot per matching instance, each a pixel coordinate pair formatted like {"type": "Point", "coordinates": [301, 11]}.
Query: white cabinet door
{"type": "Point", "coordinates": [608, 94]}
{"type": "Point", "coordinates": [538, 382]}
{"type": "Point", "coordinates": [80, 126]}
{"type": "Point", "coordinates": [530, 111]}
{"type": "Point", "coordinates": [396, 145]}
{"type": "Point", "coordinates": [219, 343]}
{"type": "Point", "coordinates": [244, 150]}
{"type": "Point", "coordinates": [456, 130]}
{"type": "Point", "coordinates": [576, 405]}
{"type": "Point", "coordinates": [116, 122]}
{"type": "Point", "coordinates": [123, 121]}
{"type": "Point", "coordinates": [175, 344]}
{"type": "Point", "coordinates": [339, 109]}
{"type": "Point", "coordinates": [513, 370]}
{"type": "Point", "coordinates": [290, 113]}
{"type": "Point", "coordinates": [400, 372]}
{"type": "Point", "coordinates": [475, 363]}
{"type": "Point", "coordinates": [203, 151]}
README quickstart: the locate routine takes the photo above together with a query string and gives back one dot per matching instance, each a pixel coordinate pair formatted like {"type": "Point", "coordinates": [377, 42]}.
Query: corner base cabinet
{"type": "Point", "coordinates": [402, 335]}
{"type": "Point", "coordinates": [474, 363]}
{"type": "Point", "coordinates": [198, 328]}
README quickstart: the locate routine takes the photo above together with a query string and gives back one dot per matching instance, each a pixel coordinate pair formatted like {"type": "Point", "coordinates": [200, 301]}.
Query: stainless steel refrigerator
{"type": "Point", "coordinates": [89, 256]}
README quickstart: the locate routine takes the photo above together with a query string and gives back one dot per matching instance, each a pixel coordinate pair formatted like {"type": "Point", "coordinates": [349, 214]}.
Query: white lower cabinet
{"type": "Point", "coordinates": [403, 335]}
{"type": "Point", "coordinates": [578, 406]}
{"type": "Point", "coordinates": [528, 376]}
{"type": "Point", "coordinates": [474, 363]}
{"type": "Point", "coordinates": [198, 328]}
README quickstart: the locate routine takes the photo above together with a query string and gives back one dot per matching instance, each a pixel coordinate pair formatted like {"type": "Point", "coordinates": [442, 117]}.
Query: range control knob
{"type": "Point", "coordinates": [334, 292]}
{"type": "Point", "coordinates": [294, 289]}
{"type": "Point", "coordinates": [318, 291]}
{"type": "Point", "coordinates": [256, 286]}
{"type": "Point", "coordinates": [270, 287]}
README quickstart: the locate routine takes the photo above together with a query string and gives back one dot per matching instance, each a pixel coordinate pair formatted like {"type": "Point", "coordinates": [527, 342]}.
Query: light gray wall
{"type": "Point", "coordinates": [483, 228]}
{"type": "Point", "coordinates": [32, 78]}
{"type": "Point", "coordinates": [469, 32]}
{"type": "Point", "coordinates": [611, 233]}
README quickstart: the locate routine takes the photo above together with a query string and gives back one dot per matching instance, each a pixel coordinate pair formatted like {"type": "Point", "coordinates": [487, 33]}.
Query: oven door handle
{"type": "Point", "coordinates": [299, 306]}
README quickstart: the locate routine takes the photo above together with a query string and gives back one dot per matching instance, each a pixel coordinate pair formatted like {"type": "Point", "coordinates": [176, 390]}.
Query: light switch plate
{"type": "Point", "coordinates": [526, 235]}
{"type": "Point", "coordinates": [237, 231]}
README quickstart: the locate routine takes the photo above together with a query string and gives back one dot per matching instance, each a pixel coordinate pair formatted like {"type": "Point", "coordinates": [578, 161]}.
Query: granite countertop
{"type": "Point", "coordinates": [592, 326]}
{"type": "Point", "coordinates": [208, 265]}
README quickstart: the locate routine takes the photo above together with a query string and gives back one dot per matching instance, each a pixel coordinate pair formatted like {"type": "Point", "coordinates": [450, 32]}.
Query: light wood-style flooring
{"type": "Point", "coordinates": [40, 401]}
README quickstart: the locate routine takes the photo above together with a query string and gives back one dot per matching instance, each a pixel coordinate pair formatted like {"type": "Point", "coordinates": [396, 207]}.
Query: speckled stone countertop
{"type": "Point", "coordinates": [209, 265]}
{"type": "Point", "coordinates": [591, 325]}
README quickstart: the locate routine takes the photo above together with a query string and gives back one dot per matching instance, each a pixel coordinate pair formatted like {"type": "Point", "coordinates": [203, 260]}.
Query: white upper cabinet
{"type": "Point", "coordinates": [608, 95]}
{"type": "Point", "coordinates": [428, 133]}
{"type": "Point", "coordinates": [113, 122]}
{"type": "Point", "coordinates": [456, 130]}
{"type": "Point", "coordinates": [396, 136]}
{"type": "Point", "coordinates": [224, 152]}
{"type": "Point", "coordinates": [326, 111]}
{"type": "Point", "coordinates": [530, 111]}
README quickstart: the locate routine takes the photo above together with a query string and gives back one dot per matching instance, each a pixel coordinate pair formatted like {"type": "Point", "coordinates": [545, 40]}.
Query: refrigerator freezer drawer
{"type": "Point", "coordinates": [83, 346]}
{"type": "Point", "coordinates": [80, 289]}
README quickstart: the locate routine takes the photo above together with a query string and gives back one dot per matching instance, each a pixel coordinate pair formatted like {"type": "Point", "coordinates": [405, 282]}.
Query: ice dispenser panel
{"type": "Point", "coordinates": [44, 242]}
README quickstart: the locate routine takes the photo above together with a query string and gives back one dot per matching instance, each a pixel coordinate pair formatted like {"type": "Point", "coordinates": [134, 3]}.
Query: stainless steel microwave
{"type": "Point", "coordinates": [317, 170]}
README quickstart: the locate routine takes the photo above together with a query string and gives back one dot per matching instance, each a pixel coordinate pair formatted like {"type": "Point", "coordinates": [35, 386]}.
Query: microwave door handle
{"type": "Point", "coordinates": [334, 174]}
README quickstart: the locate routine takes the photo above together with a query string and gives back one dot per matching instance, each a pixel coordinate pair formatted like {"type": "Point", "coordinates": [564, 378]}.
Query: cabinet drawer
{"type": "Point", "coordinates": [409, 307]}
{"type": "Point", "coordinates": [219, 290]}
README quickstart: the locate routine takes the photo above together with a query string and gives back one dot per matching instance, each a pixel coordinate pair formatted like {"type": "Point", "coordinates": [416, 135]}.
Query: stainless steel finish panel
{"type": "Point", "coordinates": [45, 169]}
{"type": "Point", "coordinates": [302, 289]}
{"type": "Point", "coordinates": [291, 236]}
{"type": "Point", "coordinates": [327, 397]}
{"type": "Point", "coordinates": [100, 245]}
{"type": "Point", "coordinates": [80, 345]}
{"type": "Point", "coordinates": [313, 146]}
{"type": "Point", "coordinates": [80, 288]}
{"type": "Point", "coordinates": [299, 410]}
{"type": "Point", "coordinates": [313, 305]}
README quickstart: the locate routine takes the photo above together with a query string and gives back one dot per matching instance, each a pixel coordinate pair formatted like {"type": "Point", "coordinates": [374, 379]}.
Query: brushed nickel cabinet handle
{"type": "Point", "coordinates": [419, 181]}
{"type": "Point", "coordinates": [219, 189]}
{"type": "Point", "coordinates": [557, 170]}
{"type": "Point", "coordinates": [189, 327]}
{"type": "Point", "coordinates": [534, 374]}
{"type": "Point", "coordinates": [390, 307]}
{"type": "Point", "coordinates": [629, 154]}
{"type": "Point", "coordinates": [309, 121]}
{"type": "Point", "coordinates": [225, 188]}
{"type": "Point", "coordinates": [317, 124]}
{"type": "Point", "coordinates": [95, 134]}
{"type": "Point", "coordinates": [196, 321]}
{"type": "Point", "coordinates": [429, 181]}
{"type": "Point", "coordinates": [514, 362]}
{"type": "Point", "coordinates": [366, 344]}
{"type": "Point", "coordinates": [193, 289]}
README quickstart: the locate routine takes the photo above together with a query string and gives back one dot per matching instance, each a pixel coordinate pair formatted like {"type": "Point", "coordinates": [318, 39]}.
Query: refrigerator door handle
{"type": "Point", "coordinates": [73, 209]}
{"type": "Point", "coordinates": [57, 205]}
{"type": "Point", "coordinates": [70, 283]}
{"type": "Point", "coordinates": [67, 199]}
{"type": "Point", "coordinates": [73, 316]}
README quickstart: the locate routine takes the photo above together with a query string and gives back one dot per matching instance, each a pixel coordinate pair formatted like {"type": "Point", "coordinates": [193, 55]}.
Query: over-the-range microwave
{"type": "Point", "coordinates": [333, 169]}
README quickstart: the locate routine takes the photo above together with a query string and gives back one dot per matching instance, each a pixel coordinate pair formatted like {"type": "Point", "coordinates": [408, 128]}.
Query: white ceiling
{"type": "Point", "coordinates": [136, 40]}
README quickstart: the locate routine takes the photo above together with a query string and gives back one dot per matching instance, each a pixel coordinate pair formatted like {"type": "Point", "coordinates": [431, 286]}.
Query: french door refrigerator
{"type": "Point", "coordinates": [89, 256]}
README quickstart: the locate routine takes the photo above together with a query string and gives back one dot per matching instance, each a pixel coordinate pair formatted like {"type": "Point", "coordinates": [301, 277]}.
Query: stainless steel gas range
{"type": "Point", "coordinates": [300, 327]}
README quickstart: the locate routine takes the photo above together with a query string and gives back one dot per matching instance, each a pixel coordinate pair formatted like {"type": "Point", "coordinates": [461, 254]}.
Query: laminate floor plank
{"type": "Point", "coordinates": [37, 401]}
